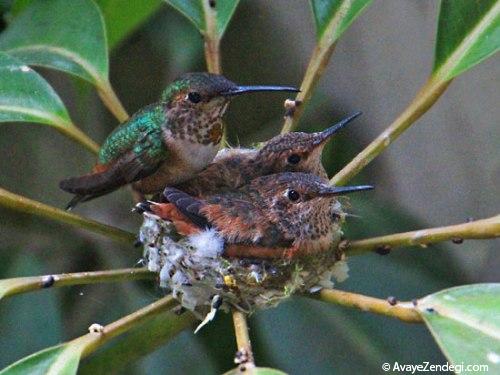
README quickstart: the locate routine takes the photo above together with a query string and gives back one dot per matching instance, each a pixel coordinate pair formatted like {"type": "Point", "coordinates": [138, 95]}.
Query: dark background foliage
{"type": "Point", "coordinates": [441, 172]}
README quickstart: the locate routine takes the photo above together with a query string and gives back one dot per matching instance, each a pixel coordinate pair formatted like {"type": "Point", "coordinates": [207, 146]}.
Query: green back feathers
{"type": "Point", "coordinates": [127, 136]}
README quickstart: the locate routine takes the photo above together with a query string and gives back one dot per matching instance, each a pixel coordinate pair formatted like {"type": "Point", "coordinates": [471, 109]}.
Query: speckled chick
{"type": "Point", "coordinates": [166, 142]}
{"type": "Point", "coordinates": [290, 152]}
{"type": "Point", "coordinates": [282, 215]}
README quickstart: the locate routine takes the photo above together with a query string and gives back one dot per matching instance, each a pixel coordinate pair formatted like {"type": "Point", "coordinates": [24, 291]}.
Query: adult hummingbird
{"type": "Point", "coordinates": [166, 142]}
{"type": "Point", "coordinates": [282, 215]}
{"type": "Point", "coordinates": [290, 152]}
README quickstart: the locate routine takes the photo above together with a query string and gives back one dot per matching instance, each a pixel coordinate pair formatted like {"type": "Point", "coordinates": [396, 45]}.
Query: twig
{"type": "Point", "coordinates": [402, 310]}
{"type": "Point", "coordinates": [479, 229]}
{"type": "Point", "coordinates": [92, 341]}
{"type": "Point", "coordinates": [424, 99]}
{"type": "Point", "coordinates": [72, 131]}
{"type": "Point", "coordinates": [317, 64]}
{"type": "Point", "coordinates": [212, 48]}
{"type": "Point", "coordinates": [111, 101]}
{"type": "Point", "coordinates": [20, 285]}
{"type": "Point", "coordinates": [140, 341]}
{"type": "Point", "coordinates": [29, 206]}
{"type": "Point", "coordinates": [212, 39]}
{"type": "Point", "coordinates": [244, 355]}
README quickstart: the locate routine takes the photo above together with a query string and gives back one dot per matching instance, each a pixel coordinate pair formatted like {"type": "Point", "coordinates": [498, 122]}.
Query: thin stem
{"type": "Point", "coordinates": [111, 101]}
{"type": "Point", "coordinates": [20, 285]}
{"type": "Point", "coordinates": [317, 64]}
{"type": "Point", "coordinates": [212, 40]}
{"type": "Point", "coordinates": [244, 355]}
{"type": "Point", "coordinates": [479, 229]}
{"type": "Point", "coordinates": [402, 310]}
{"type": "Point", "coordinates": [425, 98]}
{"type": "Point", "coordinates": [212, 49]}
{"type": "Point", "coordinates": [73, 132]}
{"type": "Point", "coordinates": [92, 341]}
{"type": "Point", "coordinates": [29, 206]}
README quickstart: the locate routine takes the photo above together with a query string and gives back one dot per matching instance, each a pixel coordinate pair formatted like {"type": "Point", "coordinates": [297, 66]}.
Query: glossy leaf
{"type": "Point", "coordinates": [194, 11]}
{"type": "Point", "coordinates": [121, 20]}
{"type": "Point", "coordinates": [468, 32]}
{"type": "Point", "coordinates": [335, 16]}
{"type": "Point", "coordinates": [26, 96]}
{"type": "Point", "coordinates": [58, 360]}
{"type": "Point", "coordinates": [256, 371]}
{"type": "Point", "coordinates": [465, 321]}
{"type": "Point", "coordinates": [68, 36]}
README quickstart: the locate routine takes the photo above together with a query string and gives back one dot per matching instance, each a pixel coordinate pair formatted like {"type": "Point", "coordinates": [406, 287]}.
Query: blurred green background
{"type": "Point", "coordinates": [443, 170]}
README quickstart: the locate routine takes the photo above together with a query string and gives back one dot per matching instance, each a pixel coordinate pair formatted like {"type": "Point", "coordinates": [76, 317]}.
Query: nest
{"type": "Point", "coordinates": [203, 280]}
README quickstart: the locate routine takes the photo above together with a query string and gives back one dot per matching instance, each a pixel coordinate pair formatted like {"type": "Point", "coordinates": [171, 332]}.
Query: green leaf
{"type": "Point", "coordinates": [121, 20]}
{"type": "Point", "coordinates": [256, 371]}
{"type": "Point", "coordinates": [58, 360]}
{"type": "Point", "coordinates": [194, 11]}
{"type": "Point", "coordinates": [60, 34]}
{"type": "Point", "coordinates": [333, 17]}
{"type": "Point", "coordinates": [465, 321]}
{"type": "Point", "coordinates": [142, 340]}
{"type": "Point", "coordinates": [468, 32]}
{"type": "Point", "coordinates": [26, 96]}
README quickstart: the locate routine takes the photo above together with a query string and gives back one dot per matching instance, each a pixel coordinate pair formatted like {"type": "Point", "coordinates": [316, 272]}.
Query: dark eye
{"type": "Point", "coordinates": [293, 159]}
{"type": "Point", "coordinates": [194, 97]}
{"type": "Point", "coordinates": [293, 195]}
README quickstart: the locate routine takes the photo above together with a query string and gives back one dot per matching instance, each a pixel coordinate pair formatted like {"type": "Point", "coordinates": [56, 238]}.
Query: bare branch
{"type": "Point", "coordinates": [424, 99]}
{"type": "Point", "coordinates": [479, 229]}
{"type": "Point", "coordinates": [29, 206]}
{"type": "Point", "coordinates": [404, 311]}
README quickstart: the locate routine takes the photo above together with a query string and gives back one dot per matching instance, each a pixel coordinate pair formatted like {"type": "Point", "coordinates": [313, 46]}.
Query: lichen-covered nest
{"type": "Point", "coordinates": [202, 279]}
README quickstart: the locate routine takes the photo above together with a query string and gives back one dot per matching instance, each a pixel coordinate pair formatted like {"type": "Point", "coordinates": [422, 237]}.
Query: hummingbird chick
{"type": "Point", "coordinates": [166, 142]}
{"type": "Point", "coordinates": [281, 215]}
{"type": "Point", "coordinates": [290, 152]}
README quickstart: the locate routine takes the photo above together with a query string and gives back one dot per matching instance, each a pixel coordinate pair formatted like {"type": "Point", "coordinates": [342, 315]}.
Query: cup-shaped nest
{"type": "Point", "coordinates": [198, 274]}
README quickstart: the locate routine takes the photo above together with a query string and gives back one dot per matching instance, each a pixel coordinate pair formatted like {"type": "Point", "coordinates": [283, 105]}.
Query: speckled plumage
{"type": "Point", "coordinates": [262, 219]}
{"type": "Point", "coordinates": [235, 167]}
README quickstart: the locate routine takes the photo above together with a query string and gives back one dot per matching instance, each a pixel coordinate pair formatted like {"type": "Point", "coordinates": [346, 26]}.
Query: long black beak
{"type": "Point", "coordinates": [327, 133]}
{"type": "Point", "coordinates": [340, 190]}
{"type": "Point", "coordinates": [238, 90]}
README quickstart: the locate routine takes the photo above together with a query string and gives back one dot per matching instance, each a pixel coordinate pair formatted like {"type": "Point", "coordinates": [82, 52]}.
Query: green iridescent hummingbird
{"type": "Point", "coordinates": [164, 143]}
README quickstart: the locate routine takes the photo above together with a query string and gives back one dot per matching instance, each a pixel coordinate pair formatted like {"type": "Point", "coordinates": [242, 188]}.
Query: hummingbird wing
{"type": "Point", "coordinates": [134, 151]}
{"type": "Point", "coordinates": [237, 219]}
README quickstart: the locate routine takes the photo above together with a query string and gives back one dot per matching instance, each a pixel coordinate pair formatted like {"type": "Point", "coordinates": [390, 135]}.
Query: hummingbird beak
{"type": "Point", "coordinates": [327, 133]}
{"type": "Point", "coordinates": [238, 90]}
{"type": "Point", "coordinates": [341, 190]}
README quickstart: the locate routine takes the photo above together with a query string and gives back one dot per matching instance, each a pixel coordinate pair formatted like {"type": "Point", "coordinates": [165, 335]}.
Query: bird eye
{"type": "Point", "coordinates": [194, 97]}
{"type": "Point", "coordinates": [293, 159]}
{"type": "Point", "coordinates": [293, 195]}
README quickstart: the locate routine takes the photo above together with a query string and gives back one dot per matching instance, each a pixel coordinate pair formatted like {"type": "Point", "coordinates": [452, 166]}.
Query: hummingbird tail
{"type": "Point", "coordinates": [74, 201]}
{"type": "Point", "coordinates": [91, 186]}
